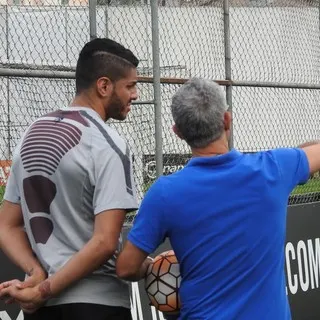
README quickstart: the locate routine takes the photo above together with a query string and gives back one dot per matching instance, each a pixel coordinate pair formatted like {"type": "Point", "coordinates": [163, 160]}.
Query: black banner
{"type": "Point", "coordinates": [171, 163]}
{"type": "Point", "coordinates": [302, 254]}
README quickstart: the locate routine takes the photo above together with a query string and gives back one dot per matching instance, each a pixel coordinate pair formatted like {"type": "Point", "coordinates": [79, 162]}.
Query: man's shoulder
{"type": "Point", "coordinates": [167, 184]}
{"type": "Point", "coordinates": [277, 159]}
{"type": "Point", "coordinates": [106, 137]}
{"type": "Point", "coordinates": [279, 153]}
{"type": "Point", "coordinates": [270, 153]}
{"type": "Point", "coordinates": [261, 159]}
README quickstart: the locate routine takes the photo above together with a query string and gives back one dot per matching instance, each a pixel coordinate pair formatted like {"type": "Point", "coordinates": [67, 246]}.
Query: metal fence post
{"type": "Point", "coordinates": [8, 86]}
{"type": "Point", "coordinates": [156, 86]}
{"type": "Point", "coordinates": [93, 18]}
{"type": "Point", "coordinates": [227, 56]}
{"type": "Point", "coordinates": [66, 29]}
{"type": "Point", "coordinates": [106, 19]}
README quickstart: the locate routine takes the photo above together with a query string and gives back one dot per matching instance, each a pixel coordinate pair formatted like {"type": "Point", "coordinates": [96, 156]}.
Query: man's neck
{"type": "Point", "coordinates": [215, 148]}
{"type": "Point", "coordinates": [85, 100]}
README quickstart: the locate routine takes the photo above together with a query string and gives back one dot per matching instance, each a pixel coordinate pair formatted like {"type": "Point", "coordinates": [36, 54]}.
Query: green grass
{"type": "Point", "coordinates": [1, 193]}
{"type": "Point", "coordinates": [313, 185]}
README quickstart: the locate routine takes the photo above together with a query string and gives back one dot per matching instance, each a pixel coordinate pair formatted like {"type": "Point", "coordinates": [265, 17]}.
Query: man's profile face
{"type": "Point", "coordinates": [124, 92]}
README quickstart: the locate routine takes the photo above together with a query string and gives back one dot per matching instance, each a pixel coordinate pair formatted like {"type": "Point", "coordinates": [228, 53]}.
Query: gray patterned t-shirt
{"type": "Point", "coordinates": [68, 167]}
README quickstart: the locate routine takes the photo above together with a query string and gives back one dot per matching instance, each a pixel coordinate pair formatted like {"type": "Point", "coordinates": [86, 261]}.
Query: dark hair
{"type": "Point", "coordinates": [103, 58]}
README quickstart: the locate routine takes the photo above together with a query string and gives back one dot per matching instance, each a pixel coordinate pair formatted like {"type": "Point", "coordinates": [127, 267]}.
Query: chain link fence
{"type": "Point", "coordinates": [265, 52]}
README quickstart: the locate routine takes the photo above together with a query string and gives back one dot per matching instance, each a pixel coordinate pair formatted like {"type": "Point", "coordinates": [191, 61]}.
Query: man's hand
{"type": "Point", "coordinates": [7, 299]}
{"type": "Point", "coordinates": [30, 299]}
{"type": "Point", "coordinates": [146, 263]}
{"type": "Point", "coordinates": [35, 277]}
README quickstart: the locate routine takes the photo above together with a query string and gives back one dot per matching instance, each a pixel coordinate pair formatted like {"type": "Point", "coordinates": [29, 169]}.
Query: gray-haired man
{"type": "Point", "coordinates": [224, 213]}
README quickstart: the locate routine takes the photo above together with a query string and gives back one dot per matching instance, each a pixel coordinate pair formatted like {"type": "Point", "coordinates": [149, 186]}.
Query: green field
{"type": "Point", "coordinates": [1, 193]}
{"type": "Point", "coordinates": [312, 186]}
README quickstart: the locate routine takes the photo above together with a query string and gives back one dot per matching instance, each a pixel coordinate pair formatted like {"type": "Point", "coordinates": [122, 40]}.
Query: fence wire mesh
{"type": "Point", "coordinates": [23, 100]}
{"type": "Point", "coordinates": [265, 118]}
{"type": "Point", "coordinates": [274, 41]}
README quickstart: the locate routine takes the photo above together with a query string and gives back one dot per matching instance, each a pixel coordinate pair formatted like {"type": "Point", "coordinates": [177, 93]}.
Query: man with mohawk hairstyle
{"type": "Point", "coordinates": [70, 188]}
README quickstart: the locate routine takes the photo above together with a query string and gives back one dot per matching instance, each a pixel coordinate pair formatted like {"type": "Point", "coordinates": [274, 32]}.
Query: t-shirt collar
{"type": "Point", "coordinates": [87, 109]}
{"type": "Point", "coordinates": [230, 156]}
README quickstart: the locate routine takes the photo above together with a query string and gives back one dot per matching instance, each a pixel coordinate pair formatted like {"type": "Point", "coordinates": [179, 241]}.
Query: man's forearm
{"type": "Point", "coordinates": [140, 273]}
{"type": "Point", "coordinates": [15, 244]}
{"type": "Point", "coordinates": [88, 259]}
{"type": "Point", "coordinates": [309, 143]}
{"type": "Point", "coordinates": [312, 151]}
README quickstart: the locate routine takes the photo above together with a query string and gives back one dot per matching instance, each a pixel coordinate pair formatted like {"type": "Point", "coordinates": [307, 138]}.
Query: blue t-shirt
{"type": "Point", "coordinates": [225, 217]}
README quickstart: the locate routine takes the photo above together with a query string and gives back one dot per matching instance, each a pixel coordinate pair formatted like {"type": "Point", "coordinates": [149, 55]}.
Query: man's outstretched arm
{"type": "Point", "coordinates": [312, 150]}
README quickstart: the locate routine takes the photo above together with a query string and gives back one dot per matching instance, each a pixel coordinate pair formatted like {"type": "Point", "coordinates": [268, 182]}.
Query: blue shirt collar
{"type": "Point", "coordinates": [232, 155]}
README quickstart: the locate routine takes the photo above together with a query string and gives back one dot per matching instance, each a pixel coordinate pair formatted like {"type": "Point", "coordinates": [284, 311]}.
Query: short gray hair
{"type": "Point", "coordinates": [198, 109]}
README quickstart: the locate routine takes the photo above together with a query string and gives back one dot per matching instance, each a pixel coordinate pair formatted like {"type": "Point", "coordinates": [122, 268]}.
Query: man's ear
{"type": "Point", "coordinates": [227, 118]}
{"type": "Point", "coordinates": [104, 87]}
{"type": "Point", "coordinates": [177, 132]}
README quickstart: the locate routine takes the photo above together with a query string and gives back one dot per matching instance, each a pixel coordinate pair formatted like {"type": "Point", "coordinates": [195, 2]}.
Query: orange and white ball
{"type": "Point", "coordinates": [162, 282]}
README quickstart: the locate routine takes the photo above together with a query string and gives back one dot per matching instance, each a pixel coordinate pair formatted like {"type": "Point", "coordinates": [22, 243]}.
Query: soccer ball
{"type": "Point", "coordinates": [162, 282]}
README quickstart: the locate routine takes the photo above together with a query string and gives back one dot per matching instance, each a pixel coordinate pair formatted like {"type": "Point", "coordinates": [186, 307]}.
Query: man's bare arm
{"type": "Point", "coordinates": [97, 250]}
{"type": "Point", "coordinates": [14, 241]}
{"type": "Point", "coordinates": [312, 150]}
{"type": "Point", "coordinates": [132, 263]}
